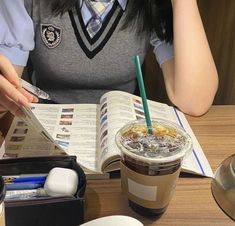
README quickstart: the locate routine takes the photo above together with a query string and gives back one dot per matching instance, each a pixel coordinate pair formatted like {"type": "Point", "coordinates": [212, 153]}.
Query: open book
{"type": "Point", "coordinates": [88, 131]}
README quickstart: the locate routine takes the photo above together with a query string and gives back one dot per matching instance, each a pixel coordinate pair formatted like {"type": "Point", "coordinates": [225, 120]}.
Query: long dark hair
{"type": "Point", "coordinates": [144, 15]}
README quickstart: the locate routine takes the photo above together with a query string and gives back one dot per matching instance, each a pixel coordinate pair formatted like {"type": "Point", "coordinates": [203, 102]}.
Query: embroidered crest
{"type": "Point", "coordinates": [51, 35]}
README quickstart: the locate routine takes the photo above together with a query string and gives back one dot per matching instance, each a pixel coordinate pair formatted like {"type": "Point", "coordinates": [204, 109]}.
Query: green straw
{"type": "Point", "coordinates": [142, 93]}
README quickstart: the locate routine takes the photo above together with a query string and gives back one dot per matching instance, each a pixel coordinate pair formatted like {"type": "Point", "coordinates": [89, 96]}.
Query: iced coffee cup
{"type": "Point", "coordinates": [150, 163]}
{"type": "Point", "coordinates": [2, 195]}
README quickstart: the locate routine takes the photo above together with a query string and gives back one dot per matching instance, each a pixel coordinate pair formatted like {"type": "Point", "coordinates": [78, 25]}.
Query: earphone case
{"type": "Point", "coordinates": [44, 211]}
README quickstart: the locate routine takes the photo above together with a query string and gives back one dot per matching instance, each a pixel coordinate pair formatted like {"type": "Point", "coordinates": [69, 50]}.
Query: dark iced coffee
{"type": "Point", "coordinates": [151, 163]}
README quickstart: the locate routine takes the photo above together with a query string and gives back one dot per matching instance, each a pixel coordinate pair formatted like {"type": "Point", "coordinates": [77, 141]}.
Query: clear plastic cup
{"type": "Point", "coordinates": [151, 163]}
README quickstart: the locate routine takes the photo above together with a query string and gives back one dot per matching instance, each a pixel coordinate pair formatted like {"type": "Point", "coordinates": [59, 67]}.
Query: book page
{"type": "Point", "coordinates": [88, 131]}
{"type": "Point", "coordinates": [121, 108]}
{"type": "Point", "coordinates": [27, 137]}
{"type": "Point", "coordinates": [72, 127]}
{"type": "Point", "coordinates": [196, 162]}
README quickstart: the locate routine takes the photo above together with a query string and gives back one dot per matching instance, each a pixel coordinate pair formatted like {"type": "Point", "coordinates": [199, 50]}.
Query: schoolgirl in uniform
{"type": "Point", "coordinates": [80, 49]}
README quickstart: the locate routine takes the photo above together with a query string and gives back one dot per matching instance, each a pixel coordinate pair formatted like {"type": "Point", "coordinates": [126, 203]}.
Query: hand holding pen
{"type": "Point", "coordinates": [12, 95]}
{"type": "Point", "coordinates": [16, 93]}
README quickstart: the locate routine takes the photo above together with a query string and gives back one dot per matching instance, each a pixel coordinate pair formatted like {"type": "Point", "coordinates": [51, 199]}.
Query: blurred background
{"type": "Point", "coordinates": [219, 21]}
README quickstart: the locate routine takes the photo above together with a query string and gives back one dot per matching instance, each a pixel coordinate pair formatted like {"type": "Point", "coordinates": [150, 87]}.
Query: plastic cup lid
{"type": "Point", "coordinates": [179, 154]}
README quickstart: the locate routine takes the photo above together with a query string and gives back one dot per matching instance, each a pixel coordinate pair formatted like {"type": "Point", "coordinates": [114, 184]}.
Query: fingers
{"type": "Point", "coordinates": [12, 95]}
{"type": "Point", "coordinates": [29, 96]}
{"type": "Point", "coordinates": [7, 89]}
{"type": "Point", "coordinates": [11, 98]}
{"type": "Point", "coordinates": [11, 106]}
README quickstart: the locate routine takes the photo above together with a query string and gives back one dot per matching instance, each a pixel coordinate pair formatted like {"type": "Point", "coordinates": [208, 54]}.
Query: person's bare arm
{"type": "Point", "coordinates": [12, 95]}
{"type": "Point", "coordinates": [191, 77]}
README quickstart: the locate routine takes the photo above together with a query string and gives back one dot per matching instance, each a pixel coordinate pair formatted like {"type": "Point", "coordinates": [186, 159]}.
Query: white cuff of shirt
{"type": "Point", "coordinates": [15, 55]}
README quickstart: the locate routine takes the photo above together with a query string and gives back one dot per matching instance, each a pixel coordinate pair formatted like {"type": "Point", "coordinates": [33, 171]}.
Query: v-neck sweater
{"type": "Point", "coordinates": [78, 69]}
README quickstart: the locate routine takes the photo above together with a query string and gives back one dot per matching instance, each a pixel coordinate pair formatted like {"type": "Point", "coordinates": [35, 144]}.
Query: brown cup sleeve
{"type": "Point", "coordinates": [153, 192]}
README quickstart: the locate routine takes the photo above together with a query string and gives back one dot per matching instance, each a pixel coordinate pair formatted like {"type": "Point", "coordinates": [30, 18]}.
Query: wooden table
{"type": "Point", "coordinates": [193, 203]}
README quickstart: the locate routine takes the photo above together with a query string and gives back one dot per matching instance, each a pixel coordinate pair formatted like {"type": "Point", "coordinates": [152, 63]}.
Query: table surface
{"type": "Point", "coordinates": [193, 203]}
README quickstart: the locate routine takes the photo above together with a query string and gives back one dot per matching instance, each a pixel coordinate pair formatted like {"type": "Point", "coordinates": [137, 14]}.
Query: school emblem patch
{"type": "Point", "coordinates": [51, 35]}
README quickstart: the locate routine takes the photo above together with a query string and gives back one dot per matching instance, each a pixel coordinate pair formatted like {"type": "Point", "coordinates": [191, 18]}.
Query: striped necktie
{"type": "Point", "coordinates": [97, 8]}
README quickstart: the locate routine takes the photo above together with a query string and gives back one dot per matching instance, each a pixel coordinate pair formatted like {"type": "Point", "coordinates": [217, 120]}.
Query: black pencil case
{"type": "Point", "coordinates": [44, 211]}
